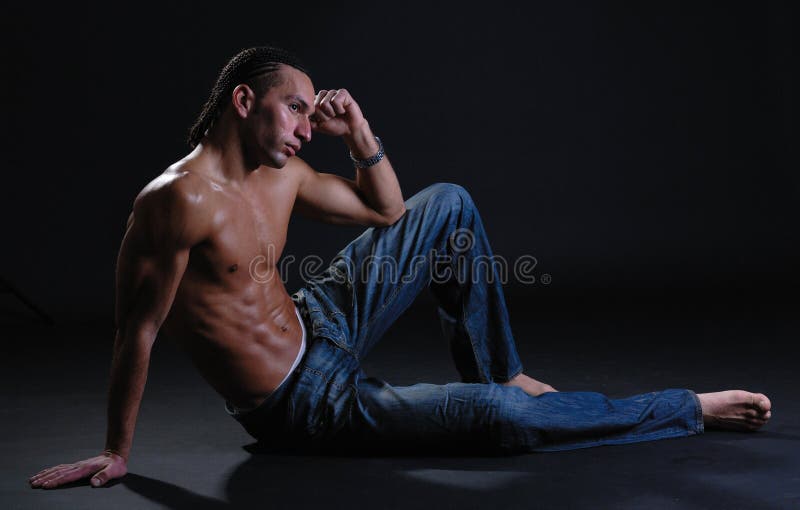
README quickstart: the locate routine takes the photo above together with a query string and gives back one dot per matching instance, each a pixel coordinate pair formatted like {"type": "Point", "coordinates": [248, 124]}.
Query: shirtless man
{"type": "Point", "coordinates": [186, 263]}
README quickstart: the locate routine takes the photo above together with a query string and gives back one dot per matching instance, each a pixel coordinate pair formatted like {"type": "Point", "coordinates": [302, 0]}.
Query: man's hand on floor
{"type": "Point", "coordinates": [102, 468]}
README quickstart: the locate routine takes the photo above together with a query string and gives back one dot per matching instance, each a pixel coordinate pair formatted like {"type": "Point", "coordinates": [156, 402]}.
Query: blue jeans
{"type": "Point", "coordinates": [440, 243]}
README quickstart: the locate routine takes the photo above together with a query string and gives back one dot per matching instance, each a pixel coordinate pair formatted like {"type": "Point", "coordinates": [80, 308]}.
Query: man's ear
{"type": "Point", "coordinates": [244, 100]}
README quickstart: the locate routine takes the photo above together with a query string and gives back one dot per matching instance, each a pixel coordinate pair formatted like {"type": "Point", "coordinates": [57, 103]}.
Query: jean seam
{"type": "Point", "coordinates": [478, 361]}
{"type": "Point", "coordinates": [668, 433]}
{"type": "Point", "coordinates": [486, 378]}
{"type": "Point", "coordinates": [392, 297]}
{"type": "Point", "coordinates": [314, 371]}
{"type": "Point", "coordinates": [384, 306]}
{"type": "Point", "coordinates": [698, 414]}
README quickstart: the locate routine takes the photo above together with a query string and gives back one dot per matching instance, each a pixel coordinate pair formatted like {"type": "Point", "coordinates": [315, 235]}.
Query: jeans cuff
{"type": "Point", "coordinates": [505, 378]}
{"type": "Point", "coordinates": [698, 415]}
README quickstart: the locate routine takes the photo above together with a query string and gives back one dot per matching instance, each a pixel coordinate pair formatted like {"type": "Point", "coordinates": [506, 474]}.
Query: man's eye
{"type": "Point", "coordinates": [294, 107]}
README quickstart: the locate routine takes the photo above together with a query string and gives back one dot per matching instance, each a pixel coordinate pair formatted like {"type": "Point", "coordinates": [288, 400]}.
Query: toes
{"type": "Point", "coordinates": [752, 414]}
{"type": "Point", "coordinates": [761, 402]}
{"type": "Point", "coordinates": [762, 415]}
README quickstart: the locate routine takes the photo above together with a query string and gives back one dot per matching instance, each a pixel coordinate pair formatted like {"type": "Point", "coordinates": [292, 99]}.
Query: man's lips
{"type": "Point", "coordinates": [292, 149]}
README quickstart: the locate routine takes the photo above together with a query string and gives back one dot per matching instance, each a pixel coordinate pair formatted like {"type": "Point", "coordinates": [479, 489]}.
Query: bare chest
{"type": "Point", "coordinates": [248, 235]}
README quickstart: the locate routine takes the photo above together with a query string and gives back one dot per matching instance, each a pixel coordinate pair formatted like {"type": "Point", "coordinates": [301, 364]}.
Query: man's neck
{"type": "Point", "coordinates": [223, 150]}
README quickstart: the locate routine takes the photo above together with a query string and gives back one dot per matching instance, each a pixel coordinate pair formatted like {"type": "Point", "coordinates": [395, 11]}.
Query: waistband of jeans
{"type": "Point", "coordinates": [269, 403]}
{"type": "Point", "coordinates": [300, 299]}
{"type": "Point", "coordinates": [280, 392]}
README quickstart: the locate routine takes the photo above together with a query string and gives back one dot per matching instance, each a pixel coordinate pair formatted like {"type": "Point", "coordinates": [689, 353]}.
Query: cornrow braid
{"type": "Point", "coordinates": [254, 67]}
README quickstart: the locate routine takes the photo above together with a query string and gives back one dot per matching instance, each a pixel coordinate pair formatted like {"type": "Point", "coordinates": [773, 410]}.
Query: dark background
{"type": "Point", "coordinates": [639, 152]}
{"type": "Point", "coordinates": [645, 154]}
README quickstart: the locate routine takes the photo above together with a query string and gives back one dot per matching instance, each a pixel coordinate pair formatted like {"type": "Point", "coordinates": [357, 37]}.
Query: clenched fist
{"type": "Point", "coordinates": [336, 113]}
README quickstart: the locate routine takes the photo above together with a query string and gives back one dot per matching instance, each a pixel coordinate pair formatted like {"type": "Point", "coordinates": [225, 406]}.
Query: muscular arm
{"type": "Point", "coordinates": [152, 260]}
{"type": "Point", "coordinates": [374, 197]}
{"type": "Point", "coordinates": [334, 199]}
{"type": "Point", "coordinates": [378, 182]}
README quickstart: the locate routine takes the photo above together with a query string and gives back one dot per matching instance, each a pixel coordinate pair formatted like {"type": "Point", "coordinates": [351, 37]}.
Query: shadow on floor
{"type": "Point", "coordinates": [719, 469]}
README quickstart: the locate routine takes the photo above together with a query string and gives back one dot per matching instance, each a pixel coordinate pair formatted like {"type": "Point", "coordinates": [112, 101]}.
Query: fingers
{"type": "Point", "coordinates": [322, 109]}
{"type": "Point", "coordinates": [330, 103]}
{"type": "Point", "coordinates": [339, 101]}
{"type": "Point", "coordinates": [59, 475]}
{"type": "Point", "coordinates": [42, 475]}
{"type": "Point", "coordinates": [43, 472]}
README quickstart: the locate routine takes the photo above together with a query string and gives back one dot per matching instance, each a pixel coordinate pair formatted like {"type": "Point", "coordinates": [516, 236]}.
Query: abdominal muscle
{"type": "Point", "coordinates": [243, 343]}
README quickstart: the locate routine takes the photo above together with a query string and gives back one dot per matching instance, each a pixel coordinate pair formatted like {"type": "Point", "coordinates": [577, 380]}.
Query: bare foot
{"type": "Point", "coordinates": [735, 410]}
{"type": "Point", "coordinates": [529, 385]}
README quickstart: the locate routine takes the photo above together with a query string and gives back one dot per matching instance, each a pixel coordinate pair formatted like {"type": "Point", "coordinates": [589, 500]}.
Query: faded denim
{"type": "Point", "coordinates": [330, 403]}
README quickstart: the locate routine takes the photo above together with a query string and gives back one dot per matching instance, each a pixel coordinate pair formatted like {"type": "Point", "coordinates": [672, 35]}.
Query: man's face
{"type": "Point", "coordinates": [279, 123]}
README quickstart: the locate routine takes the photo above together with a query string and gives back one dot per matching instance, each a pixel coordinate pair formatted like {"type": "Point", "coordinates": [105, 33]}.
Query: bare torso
{"type": "Point", "coordinates": [240, 329]}
{"type": "Point", "coordinates": [200, 229]}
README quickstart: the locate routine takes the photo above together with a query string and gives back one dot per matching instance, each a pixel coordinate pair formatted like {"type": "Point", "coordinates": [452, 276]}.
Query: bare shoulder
{"type": "Point", "coordinates": [175, 206]}
{"type": "Point", "coordinates": [299, 169]}
{"type": "Point", "coordinates": [176, 186]}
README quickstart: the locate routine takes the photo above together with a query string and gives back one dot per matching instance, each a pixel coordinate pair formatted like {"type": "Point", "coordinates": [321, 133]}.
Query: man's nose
{"type": "Point", "coordinates": [303, 130]}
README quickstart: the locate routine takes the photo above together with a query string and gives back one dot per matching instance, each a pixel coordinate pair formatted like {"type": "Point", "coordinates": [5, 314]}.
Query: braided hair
{"type": "Point", "coordinates": [255, 67]}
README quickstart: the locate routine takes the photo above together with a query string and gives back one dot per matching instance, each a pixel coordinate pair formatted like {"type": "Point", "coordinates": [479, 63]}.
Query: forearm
{"type": "Point", "coordinates": [128, 377]}
{"type": "Point", "coordinates": [379, 182]}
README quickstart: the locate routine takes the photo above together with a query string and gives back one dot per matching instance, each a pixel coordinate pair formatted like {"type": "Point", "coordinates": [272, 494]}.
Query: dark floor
{"type": "Point", "coordinates": [189, 454]}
